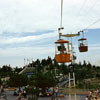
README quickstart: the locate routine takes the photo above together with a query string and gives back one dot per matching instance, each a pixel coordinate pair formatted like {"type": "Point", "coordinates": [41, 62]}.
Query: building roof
{"type": "Point", "coordinates": [27, 70]}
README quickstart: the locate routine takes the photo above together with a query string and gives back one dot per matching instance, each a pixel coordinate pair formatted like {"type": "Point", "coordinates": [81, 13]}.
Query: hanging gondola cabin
{"type": "Point", "coordinates": [83, 45]}
{"type": "Point", "coordinates": [62, 54]}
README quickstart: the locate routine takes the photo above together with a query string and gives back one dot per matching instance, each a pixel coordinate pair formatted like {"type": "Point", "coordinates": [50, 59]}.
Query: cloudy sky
{"type": "Point", "coordinates": [28, 28]}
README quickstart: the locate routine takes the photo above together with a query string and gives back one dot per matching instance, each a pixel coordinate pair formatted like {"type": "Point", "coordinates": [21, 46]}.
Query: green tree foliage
{"type": "Point", "coordinates": [5, 71]}
{"type": "Point", "coordinates": [44, 62]}
{"type": "Point", "coordinates": [17, 70]}
{"type": "Point", "coordinates": [49, 61]}
{"type": "Point", "coordinates": [40, 80]}
{"type": "Point", "coordinates": [33, 91]}
{"type": "Point", "coordinates": [0, 82]}
{"type": "Point", "coordinates": [48, 69]}
{"type": "Point", "coordinates": [43, 80]}
{"type": "Point", "coordinates": [17, 80]}
{"type": "Point", "coordinates": [82, 70]}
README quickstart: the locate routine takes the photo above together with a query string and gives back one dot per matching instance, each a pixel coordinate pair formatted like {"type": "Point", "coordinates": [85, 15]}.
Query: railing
{"type": "Point", "coordinates": [63, 83]}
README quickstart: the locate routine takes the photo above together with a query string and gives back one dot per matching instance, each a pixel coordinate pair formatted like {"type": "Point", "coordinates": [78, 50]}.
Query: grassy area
{"type": "Point", "coordinates": [73, 91]}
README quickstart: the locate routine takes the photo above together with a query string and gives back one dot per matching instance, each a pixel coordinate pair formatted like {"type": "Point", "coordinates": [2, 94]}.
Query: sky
{"type": "Point", "coordinates": [28, 29]}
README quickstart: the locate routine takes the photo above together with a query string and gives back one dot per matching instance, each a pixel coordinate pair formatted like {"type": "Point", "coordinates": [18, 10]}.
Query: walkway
{"type": "Point", "coordinates": [11, 97]}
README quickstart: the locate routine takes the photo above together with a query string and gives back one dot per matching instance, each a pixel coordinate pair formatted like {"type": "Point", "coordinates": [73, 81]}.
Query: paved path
{"type": "Point", "coordinates": [11, 97]}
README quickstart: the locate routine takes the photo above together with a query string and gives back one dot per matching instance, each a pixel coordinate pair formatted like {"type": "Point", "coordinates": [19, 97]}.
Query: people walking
{"type": "Point", "coordinates": [53, 94]}
{"type": "Point", "coordinates": [56, 92]}
{"type": "Point", "coordinates": [19, 95]}
{"type": "Point", "coordinates": [86, 98]}
{"type": "Point", "coordinates": [24, 93]}
{"type": "Point", "coordinates": [18, 98]}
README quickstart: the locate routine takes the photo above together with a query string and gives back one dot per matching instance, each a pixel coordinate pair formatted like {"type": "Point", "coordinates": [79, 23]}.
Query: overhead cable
{"type": "Point", "coordinates": [92, 24]}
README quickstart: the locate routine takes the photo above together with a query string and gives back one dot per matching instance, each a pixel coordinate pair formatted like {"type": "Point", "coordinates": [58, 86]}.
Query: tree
{"type": "Point", "coordinates": [84, 63]}
{"type": "Point", "coordinates": [0, 82]}
{"type": "Point", "coordinates": [44, 62]}
{"type": "Point", "coordinates": [37, 62]}
{"type": "Point", "coordinates": [40, 80]}
{"type": "Point", "coordinates": [17, 70]}
{"type": "Point", "coordinates": [18, 80]}
{"type": "Point", "coordinates": [43, 81]}
{"type": "Point", "coordinates": [33, 90]}
{"type": "Point", "coordinates": [5, 71]}
{"type": "Point", "coordinates": [49, 61]}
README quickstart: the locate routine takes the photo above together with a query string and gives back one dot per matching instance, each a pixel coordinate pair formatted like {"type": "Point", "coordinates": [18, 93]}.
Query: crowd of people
{"type": "Point", "coordinates": [93, 95]}
{"type": "Point", "coordinates": [55, 94]}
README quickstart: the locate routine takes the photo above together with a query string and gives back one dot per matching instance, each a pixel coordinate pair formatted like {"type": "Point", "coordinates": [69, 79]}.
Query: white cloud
{"type": "Point", "coordinates": [28, 15]}
{"type": "Point", "coordinates": [24, 16]}
{"type": "Point", "coordinates": [15, 56]}
{"type": "Point", "coordinates": [18, 16]}
{"type": "Point", "coordinates": [94, 47]}
{"type": "Point", "coordinates": [9, 40]}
